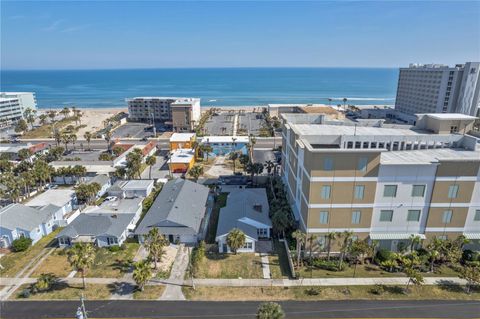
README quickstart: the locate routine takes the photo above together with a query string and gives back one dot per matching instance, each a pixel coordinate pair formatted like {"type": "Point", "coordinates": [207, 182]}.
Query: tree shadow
{"type": "Point", "coordinates": [394, 290]}
{"type": "Point", "coordinates": [123, 266]}
{"type": "Point", "coordinates": [450, 286]}
{"type": "Point", "coordinates": [216, 256]}
{"type": "Point", "coordinates": [121, 288]}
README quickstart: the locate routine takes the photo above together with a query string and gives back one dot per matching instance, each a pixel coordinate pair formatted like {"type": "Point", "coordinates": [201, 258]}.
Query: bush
{"type": "Point", "coordinates": [115, 248]}
{"type": "Point", "coordinates": [21, 244]}
{"type": "Point", "coordinates": [470, 255]}
{"type": "Point", "coordinates": [384, 255]}
{"type": "Point", "coordinates": [328, 265]}
{"type": "Point", "coordinates": [25, 293]}
{"type": "Point", "coordinates": [313, 291]}
{"type": "Point", "coordinates": [377, 290]}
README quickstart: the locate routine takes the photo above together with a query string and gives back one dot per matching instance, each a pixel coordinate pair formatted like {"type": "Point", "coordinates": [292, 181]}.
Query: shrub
{"type": "Point", "coordinates": [377, 290]}
{"type": "Point", "coordinates": [328, 265]}
{"type": "Point", "coordinates": [313, 291]}
{"type": "Point", "coordinates": [470, 255]}
{"type": "Point", "coordinates": [25, 293]}
{"type": "Point", "coordinates": [114, 249]}
{"type": "Point", "coordinates": [21, 244]}
{"type": "Point", "coordinates": [384, 255]}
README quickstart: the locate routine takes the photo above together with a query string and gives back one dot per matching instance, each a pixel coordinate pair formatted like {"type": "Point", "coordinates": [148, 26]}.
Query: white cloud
{"type": "Point", "coordinates": [53, 26]}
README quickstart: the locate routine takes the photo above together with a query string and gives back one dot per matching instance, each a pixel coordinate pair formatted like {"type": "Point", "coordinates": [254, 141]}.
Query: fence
{"type": "Point", "coordinates": [289, 257]}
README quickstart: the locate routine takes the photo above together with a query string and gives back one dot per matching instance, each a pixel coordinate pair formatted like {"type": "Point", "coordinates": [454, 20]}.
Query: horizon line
{"type": "Point", "coordinates": [202, 67]}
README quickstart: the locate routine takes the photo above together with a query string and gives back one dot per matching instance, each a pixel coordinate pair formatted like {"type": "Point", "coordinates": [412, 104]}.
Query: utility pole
{"type": "Point", "coordinates": [81, 311]}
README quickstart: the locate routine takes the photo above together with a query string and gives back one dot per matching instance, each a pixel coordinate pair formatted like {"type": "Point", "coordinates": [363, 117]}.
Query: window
{"type": "Point", "coordinates": [327, 164]}
{"type": "Point", "coordinates": [390, 191]}
{"type": "Point", "coordinates": [447, 217]}
{"type": "Point", "coordinates": [356, 216]}
{"type": "Point", "coordinates": [359, 190]}
{"type": "Point", "coordinates": [323, 217]}
{"type": "Point", "coordinates": [413, 216]}
{"type": "Point", "coordinates": [326, 191]}
{"type": "Point", "coordinates": [452, 191]}
{"type": "Point", "coordinates": [248, 245]}
{"type": "Point", "coordinates": [418, 190]}
{"type": "Point", "coordinates": [362, 164]}
{"type": "Point", "coordinates": [386, 215]}
{"type": "Point", "coordinates": [476, 217]}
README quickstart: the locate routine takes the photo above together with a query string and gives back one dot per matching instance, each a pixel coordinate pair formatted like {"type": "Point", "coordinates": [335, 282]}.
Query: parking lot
{"type": "Point", "coordinates": [137, 130]}
{"type": "Point", "coordinates": [220, 124]}
{"type": "Point", "coordinates": [249, 123]}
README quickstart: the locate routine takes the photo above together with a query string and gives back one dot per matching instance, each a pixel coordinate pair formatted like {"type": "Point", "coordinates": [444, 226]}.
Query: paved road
{"type": "Point", "coordinates": [200, 309]}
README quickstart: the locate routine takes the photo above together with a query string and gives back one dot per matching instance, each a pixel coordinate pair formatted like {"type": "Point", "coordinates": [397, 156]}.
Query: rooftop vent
{"type": "Point", "coordinates": [257, 207]}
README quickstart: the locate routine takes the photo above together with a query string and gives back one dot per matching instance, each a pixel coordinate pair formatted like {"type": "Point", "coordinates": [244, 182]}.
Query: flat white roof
{"type": "Point", "coordinates": [427, 156]}
{"type": "Point", "coordinates": [182, 156]}
{"type": "Point", "coordinates": [450, 116]}
{"type": "Point", "coordinates": [224, 139]}
{"type": "Point", "coordinates": [57, 197]}
{"type": "Point", "coordinates": [325, 129]}
{"type": "Point", "coordinates": [181, 137]}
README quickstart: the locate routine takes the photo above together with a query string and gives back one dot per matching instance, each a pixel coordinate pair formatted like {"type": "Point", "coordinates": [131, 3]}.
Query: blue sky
{"type": "Point", "coordinates": [148, 34]}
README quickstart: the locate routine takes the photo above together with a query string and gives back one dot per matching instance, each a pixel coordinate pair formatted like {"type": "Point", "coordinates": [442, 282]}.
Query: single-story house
{"type": "Point", "coordinates": [11, 150]}
{"type": "Point", "coordinates": [177, 212]}
{"type": "Point", "coordinates": [17, 220]}
{"type": "Point", "coordinates": [93, 167]}
{"type": "Point", "coordinates": [103, 181]}
{"type": "Point", "coordinates": [100, 229]}
{"type": "Point", "coordinates": [131, 188]}
{"type": "Point", "coordinates": [123, 206]}
{"type": "Point", "coordinates": [182, 140]}
{"type": "Point", "coordinates": [223, 145]}
{"type": "Point", "coordinates": [63, 198]}
{"type": "Point", "coordinates": [181, 160]}
{"type": "Point", "coordinates": [247, 209]}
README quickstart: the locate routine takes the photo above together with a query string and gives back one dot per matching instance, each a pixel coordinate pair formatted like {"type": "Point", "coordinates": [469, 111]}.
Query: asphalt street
{"type": "Point", "coordinates": [200, 309]}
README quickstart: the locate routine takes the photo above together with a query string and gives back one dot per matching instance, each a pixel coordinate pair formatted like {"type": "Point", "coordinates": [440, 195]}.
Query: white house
{"type": "Point", "coordinates": [132, 188]}
{"type": "Point", "coordinates": [63, 198]}
{"type": "Point", "coordinates": [247, 209]}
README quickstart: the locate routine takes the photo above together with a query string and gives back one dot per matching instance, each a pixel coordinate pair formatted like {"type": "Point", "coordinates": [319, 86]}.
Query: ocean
{"type": "Point", "coordinates": [215, 86]}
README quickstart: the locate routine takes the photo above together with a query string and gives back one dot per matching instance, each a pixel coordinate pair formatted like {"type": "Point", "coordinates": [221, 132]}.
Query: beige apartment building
{"type": "Point", "coordinates": [383, 182]}
{"type": "Point", "coordinates": [181, 113]}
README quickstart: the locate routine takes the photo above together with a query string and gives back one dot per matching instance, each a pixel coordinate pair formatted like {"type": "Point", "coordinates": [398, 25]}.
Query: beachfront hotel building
{"type": "Point", "coordinates": [182, 113]}
{"type": "Point", "coordinates": [383, 182]}
{"type": "Point", "coordinates": [437, 88]}
{"type": "Point", "coordinates": [14, 104]}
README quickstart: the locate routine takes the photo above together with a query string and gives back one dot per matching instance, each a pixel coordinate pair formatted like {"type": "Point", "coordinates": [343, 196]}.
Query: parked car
{"type": "Point", "coordinates": [111, 198]}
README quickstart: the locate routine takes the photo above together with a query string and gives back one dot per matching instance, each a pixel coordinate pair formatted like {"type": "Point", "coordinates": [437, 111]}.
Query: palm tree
{"type": "Point", "coordinates": [196, 171]}
{"type": "Point", "coordinates": [154, 243]}
{"type": "Point", "coordinates": [415, 240]}
{"type": "Point", "coordinates": [347, 241]}
{"type": "Point", "coordinates": [206, 149]}
{"type": "Point", "coordinates": [65, 139]}
{"type": "Point", "coordinates": [150, 161]}
{"type": "Point", "coordinates": [251, 145]}
{"type": "Point", "coordinates": [142, 273]}
{"type": "Point", "coordinates": [234, 156]}
{"type": "Point", "coordinates": [344, 103]}
{"type": "Point", "coordinates": [299, 237]}
{"type": "Point", "coordinates": [81, 257]}
{"type": "Point", "coordinates": [108, 137]}
{"type": "Point", "coordinates": [58, 137]}
{"type": "Point", "coordinates": [331, 236]}
{"type": "Point", "coordinates": [235, 239]}
{"type": "Point", "coordinates": [29, 116]}
{"type": "Point", "coordinates": [269, 165]}
{"type": "Point", "coordinates": [281, 221]}
{"type": "Point", "coordinates": [43, 119]}
{"type": "Point", "coordinates": [73, 139]}
{"type": "Point", "coordinates": [330, 101]}
{"type": "Point", "coordinates": [311, 239]}
{"type": "Point", "coordinates": [88, 137]}
{"type": "Point", "coordinates": [270, 310]}
{"type": "Point", "coordinates": [65, 112]}
{"type": "Point", "coordinates": [52, 114]}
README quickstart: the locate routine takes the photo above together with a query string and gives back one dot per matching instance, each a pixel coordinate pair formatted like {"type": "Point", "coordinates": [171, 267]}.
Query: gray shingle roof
{"type": "Point", "coordinates": [57, 197]}
{"type": "Point", "coordinates": [180, 204]}
{"type": "Point", "coordinates": [100, 179]}
{"type": "Point", "coordinates": [21, 216]}
{"type": "Point", "coordinates": [240, 211]}
{"type": "Point", "coordinates": [92, 224]}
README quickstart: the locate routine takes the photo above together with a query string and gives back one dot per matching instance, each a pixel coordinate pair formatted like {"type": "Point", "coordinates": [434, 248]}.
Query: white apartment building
{"type": "Point", "coordinates": [14, 104]}
{"type": "Point", "coordinates": [385, 183]}
{"type": "Point", "coordinates": [437, 88]}
{"type": "Point", "coordinates": [182, 113]}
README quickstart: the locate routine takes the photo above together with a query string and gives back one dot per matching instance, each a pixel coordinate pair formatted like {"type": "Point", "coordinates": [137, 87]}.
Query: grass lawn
{"type": "Point", "coordinates": [109, 264]}
{"type": "Point", "coordinates": [220, 202]}
{"type": "Point", "coordinates": [326, 293]}
{"type": "Point", "coordinates": [369, 270]}
{"type": "Point", "coordinates": [149, 292]}
{"type": "Point", "coordinates": [279, 262]}
{"type": "Point", "coordinates": [244, 265]}
{"type": "Point", "coordinates": [14, 262]}
{"type": "Point", "coordinates": [56, 263]}
{"type": "Point", "coordinates": [64, 291]}
{"type": "Point", "coordinates": [45, 131]}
